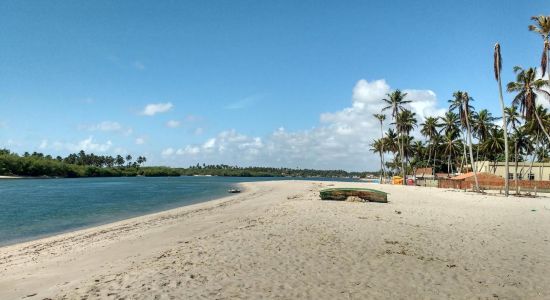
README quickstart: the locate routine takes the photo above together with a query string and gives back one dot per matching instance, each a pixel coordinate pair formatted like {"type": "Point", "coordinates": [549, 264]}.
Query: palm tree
{"type": "Point", "coordinates": [461, 102]}
{"type": "Point", "coordinates": [377, 146]}
{"type": "Point", "coordinates": [451, 148]}
{"type": "Point", "coordinates": [497, 66]}
{"type": "Point", "coordinates": [396, 103]}
{"type": "Point", "coordinates": [512, 117]}
{"type": "Point", "coordinates": [522, 144]}
{"type": "Point", "coordinates": [482, 122]}
{"type": "Point", "coordinates": [381, 118]}
{"type": "Point", "coordinates": [405, 123]}
{"type": "Point", "coordinates": [429, 130]}
{"type": "Point", "coordinates": [528, 89]}
{"type": "Point", "coordinates": [494, 144]}
{"type": "Point", "coordinates": [542, 27]}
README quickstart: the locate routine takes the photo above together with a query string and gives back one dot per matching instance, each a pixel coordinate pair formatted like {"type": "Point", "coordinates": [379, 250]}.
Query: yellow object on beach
{"type": "Point", "coordinates": [397, 180]}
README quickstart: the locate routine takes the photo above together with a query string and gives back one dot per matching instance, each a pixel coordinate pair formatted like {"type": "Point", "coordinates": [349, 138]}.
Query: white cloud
{"type": "Point", "coordinates": [167, 152]}
{"type": "Point", "coordinates": [140, 141]}
{"type": "Point", "coordinates": [156, 108]}
{"type": "Point", "coordinates": [88, 145]}
{"type": "Point", "coordinates": [173, 124]}
{"type": "Point", "coordinates": [341, 141]}
{"type": "Point", "coordinates": [108, 126]}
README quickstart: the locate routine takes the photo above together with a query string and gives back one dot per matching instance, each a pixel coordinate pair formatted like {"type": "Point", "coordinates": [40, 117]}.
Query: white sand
{"type": "Point", "coordinates": [278, 240]}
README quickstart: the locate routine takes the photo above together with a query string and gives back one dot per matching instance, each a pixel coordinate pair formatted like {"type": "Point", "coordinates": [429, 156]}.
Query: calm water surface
{"type": "Point", "coordinates": [33, 208]}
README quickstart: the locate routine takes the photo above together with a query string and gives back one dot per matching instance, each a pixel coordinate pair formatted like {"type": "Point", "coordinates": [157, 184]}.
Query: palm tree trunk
{"type": "Point", "coordinates": [382, 153]}
{"type": "Point", "coordinates": [505, 128]}
{"type": "Point", "coordinates": [516, 161]}
{"type": "Point", "coordinates": [471, 152]}
{"type": "Point", "coordinates": [403, 160]}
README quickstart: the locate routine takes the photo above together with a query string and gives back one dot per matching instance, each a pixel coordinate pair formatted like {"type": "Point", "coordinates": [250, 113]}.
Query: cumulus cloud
{"type": "Point", "coordinates": [88, 145]}
{"type": "Point", "coordinates": [341, 141]}
{"type": "Point", "coordinates": [156, 108]}
{"type": "Point", "coordinates": [167, 152]}
{"type": "Point", "coordinates": [108, 126]}
{"type": "Point", "coordinates": [173, 124]}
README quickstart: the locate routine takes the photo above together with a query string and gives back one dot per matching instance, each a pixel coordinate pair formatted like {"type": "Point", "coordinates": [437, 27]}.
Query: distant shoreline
{"type": "Point", "coordinates": [12, 177]}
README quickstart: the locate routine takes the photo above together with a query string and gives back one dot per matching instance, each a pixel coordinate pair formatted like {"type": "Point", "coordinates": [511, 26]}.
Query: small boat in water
{"type": "Point", "coordinates": [234, 191]}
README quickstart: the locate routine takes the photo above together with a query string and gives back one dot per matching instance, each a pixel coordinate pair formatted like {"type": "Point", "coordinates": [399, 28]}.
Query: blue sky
{"type": "Point", "coordinates": [280, 83]}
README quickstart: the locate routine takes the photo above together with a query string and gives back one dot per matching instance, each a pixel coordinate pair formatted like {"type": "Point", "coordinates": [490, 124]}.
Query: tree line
{"type": "Point", "coordinates": [463, 135]}
{"type": "Point", "coordinates": [82, 164]}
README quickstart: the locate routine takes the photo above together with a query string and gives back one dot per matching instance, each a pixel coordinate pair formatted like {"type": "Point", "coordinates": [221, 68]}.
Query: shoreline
{"type": "Point", "coordinates": [104, 226]}
{"type": "Point", "coordinates": [115, 222]}
{"type": "Point", "coordinates": [276, 239]}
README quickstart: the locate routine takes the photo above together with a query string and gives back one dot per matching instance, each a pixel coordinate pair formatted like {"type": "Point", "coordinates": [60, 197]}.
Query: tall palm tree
{"type": "Point", "coordinates": [451, 148]}
{"type": "Point", "coordinates": [381, 118]}
{"type": "Point", "coordinates": [528, 89]}
{"type": "Point", "coordinates": [396, 103]}
{"type": "Point", "coordinates": [429, 130]}
{"type": "Point", "coordinates": [461, 102]}
{"type": "Point", "coordinates": [542, 27]}
{"type": "Point", "coordinates": [405, 123]}
{"type": "Point", "coordinates": [377, 146]}
{"type": "Point", "coordinates": [497, 66]}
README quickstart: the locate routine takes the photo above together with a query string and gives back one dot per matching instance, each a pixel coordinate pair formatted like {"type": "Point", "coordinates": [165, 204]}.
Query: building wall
{"type": "Point", "coordinates": [540, 171]}
{"type": "Point", "coordinates": [495, 184]}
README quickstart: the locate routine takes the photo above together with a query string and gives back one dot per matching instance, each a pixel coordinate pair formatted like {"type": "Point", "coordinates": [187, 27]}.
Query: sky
{"type": "Point", "coordinates": [264, 83]}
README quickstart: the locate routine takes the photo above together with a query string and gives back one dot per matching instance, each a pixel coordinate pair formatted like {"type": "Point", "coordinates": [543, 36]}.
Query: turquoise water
{"type": "Point", "coordinates": [34, 208]}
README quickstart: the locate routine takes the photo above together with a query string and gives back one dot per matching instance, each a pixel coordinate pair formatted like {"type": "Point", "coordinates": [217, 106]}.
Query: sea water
{"type": "Point", "coordinates": [34, 208]}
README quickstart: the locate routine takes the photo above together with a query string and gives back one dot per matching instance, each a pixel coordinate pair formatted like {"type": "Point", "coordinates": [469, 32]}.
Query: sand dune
{"type": "Point", "coordinates": [278, 240]}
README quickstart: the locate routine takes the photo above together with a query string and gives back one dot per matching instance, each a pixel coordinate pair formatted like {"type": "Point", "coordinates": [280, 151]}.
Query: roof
{"type": "Point", "coordinates": [424, 171]}
{"type": "Point", "coordinates": [463, 176]}
{"type": "Point", "coordinates": [484, 175]}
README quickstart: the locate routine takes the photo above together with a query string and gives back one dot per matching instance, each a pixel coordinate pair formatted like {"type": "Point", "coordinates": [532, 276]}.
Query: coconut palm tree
{"type": "Point", "coordinates": [429, 130]}
{"type": "Point", "coordinates": [482, 122]}
{"type": "Point", "coordinates": [528, 89]}
{"type": "Point", "coordinates": [396, 103]}
{"type": "Point", "coordinates": [494, 144]}
{"type": "Point", "coordinates": [522, 144]}
{"type": "Point", "coordinates": [451, 147]}
{"type": "Point", "coordinates": [405, 123]}
{"type": "Point", "coordinates": [497, 66]}
{"type": "Point", "coordinates": [377, 146]}
{"type": "Point", "coordinates": [461, 102]}
{"type": "Point", "coordinates": [542, 27]}
{"type": "Point", "coordinates": [381, 118]}
{"type": "Point", "coordinates": [512, 117]}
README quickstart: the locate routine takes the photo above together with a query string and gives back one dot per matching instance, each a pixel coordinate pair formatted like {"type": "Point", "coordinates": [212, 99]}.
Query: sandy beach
{"type": "Point", "coordinates": [278, 240]}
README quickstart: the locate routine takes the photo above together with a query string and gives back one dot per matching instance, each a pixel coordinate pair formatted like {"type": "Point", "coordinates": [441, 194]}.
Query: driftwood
{"type": "Point", "coordinates": [342, 194]}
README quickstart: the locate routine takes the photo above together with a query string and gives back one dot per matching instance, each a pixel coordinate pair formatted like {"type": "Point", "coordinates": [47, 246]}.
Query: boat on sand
{"type": "Point", "coordinates": [342, 194]}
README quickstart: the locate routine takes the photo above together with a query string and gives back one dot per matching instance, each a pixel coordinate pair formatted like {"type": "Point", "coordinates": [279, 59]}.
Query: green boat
{"type": "Point", "coordinates": [342, 194]}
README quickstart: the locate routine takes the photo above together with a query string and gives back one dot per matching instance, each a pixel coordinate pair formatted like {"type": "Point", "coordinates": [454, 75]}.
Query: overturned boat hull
{"type": "Point", "coordinates": [342, 194]}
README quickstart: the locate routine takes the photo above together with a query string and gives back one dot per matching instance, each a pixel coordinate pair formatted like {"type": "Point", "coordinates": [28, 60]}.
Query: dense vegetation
{"type": "Point", "coordinates": [463, 135]}
{"type": "Point", "coordinates": [225, 170]}
{"type": "Point", "coordinates": [90, 165]}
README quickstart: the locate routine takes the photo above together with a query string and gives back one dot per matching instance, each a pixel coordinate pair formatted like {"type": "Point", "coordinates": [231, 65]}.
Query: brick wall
{"type": "Point", "coordinates": [494, 184]}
